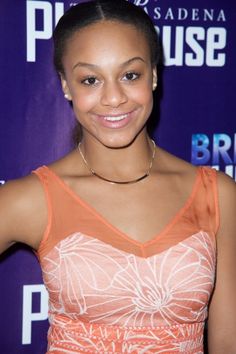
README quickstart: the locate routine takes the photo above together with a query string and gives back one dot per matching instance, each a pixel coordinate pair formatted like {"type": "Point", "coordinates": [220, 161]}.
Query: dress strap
{"type": "Point", "coordinates": [42, 175]}
{"type": "Point", "coordinates": [210, 189]}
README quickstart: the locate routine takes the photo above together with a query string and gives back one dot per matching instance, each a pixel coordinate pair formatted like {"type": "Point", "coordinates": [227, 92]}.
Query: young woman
{"type": "Point", "coordinates": [135, 244]}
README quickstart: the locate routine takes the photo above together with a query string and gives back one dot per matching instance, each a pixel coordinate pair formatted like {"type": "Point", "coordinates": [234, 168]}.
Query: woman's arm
{"type": "Point", "coordinates": [222, 310]}
{"type": "Point", "coordinates": [23, 214]}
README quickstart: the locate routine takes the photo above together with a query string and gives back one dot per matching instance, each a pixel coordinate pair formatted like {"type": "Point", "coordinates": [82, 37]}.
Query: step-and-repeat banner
{"type": "Point", "coordinates": [194, 108]}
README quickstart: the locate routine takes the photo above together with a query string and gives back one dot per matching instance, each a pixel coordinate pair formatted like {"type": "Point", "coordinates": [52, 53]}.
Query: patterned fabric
{"type": "Point", "coordinates": [104, 299]}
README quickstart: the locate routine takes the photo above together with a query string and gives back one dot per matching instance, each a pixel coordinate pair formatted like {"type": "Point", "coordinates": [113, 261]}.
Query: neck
{"type": "Point", "coordinates": [118, 164]}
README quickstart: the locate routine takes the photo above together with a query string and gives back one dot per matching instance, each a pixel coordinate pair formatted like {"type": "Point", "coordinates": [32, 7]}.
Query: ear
{"type": "Point", "coordinates": [65, 88]}
{"type": "Point", "coordinates": [154, 78]}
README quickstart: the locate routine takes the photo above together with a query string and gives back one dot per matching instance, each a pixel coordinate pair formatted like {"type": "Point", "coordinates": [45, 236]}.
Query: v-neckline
{"type": "Point", "coordinates": [122, 234]}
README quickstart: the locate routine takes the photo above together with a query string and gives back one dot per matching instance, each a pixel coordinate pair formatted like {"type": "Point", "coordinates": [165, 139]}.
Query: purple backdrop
{"type": "Point", "coordinates": [194, 104]}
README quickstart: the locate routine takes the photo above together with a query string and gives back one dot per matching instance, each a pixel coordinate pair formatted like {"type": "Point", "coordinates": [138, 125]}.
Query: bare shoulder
{"type": "Point", "coordinates": [226, 187]}
{"type": "Point", "coordinates": [179, 172]}
{"type": "Point", "coordinates": [186, 172]}
{"type": "Point", "coordinates": [23, 213]}
{"type": "Point", "coordinates": [172, 164]}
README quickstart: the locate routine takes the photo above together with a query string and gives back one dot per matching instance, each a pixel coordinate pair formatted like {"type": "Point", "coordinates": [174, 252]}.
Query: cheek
{"type": "Point", "coordinates": [84, 102]}
{"type": "Point", "coordinates": [143, 95]}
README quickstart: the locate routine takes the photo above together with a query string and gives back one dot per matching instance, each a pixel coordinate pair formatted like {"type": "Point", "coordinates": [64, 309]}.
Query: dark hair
{"type": "Point", "coordinates": [87, 13]}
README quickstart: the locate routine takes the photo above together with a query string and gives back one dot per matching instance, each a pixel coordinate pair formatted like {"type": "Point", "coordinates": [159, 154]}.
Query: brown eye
{"type": "Point", "coordinates": [131, 76]}
{"type": "Point", "coordinates": [90, 81]}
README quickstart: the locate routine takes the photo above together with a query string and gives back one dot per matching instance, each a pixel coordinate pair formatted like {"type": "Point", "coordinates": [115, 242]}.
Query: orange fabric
{"type": "Point", "coordinates": [111, 294]}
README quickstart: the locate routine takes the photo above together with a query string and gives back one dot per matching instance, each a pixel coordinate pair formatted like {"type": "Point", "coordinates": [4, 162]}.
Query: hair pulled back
{"type": "Point", "coordinates": [88, 13]}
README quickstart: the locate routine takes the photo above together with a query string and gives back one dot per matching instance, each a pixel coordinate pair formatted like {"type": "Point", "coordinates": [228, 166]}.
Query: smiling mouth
{"type": "Point", "coordinates": [115, 118]}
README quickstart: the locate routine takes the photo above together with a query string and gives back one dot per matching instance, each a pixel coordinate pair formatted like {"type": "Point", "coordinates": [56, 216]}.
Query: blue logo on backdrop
{"type": "Point", "coordinates": [216, 150]}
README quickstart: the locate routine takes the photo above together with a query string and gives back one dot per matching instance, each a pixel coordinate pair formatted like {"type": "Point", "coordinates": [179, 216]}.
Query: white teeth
{"type": "Point", "coordinates": [114, 119]}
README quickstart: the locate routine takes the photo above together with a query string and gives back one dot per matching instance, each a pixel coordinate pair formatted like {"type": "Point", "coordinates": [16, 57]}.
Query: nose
{"type": "Point", "coordinates": [113, 94]}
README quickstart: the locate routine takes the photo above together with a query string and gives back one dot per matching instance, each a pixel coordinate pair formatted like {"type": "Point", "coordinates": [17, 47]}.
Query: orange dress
{"type": "Point", "coordinates": [111, 294]}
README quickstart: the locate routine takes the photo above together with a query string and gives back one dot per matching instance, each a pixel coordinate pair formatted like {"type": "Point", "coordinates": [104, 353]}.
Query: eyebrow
{"type": "Point", "coordinates": [94, 66]}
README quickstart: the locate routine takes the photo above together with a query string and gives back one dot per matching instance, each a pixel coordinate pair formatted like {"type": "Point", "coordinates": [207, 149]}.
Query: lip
{"type": "Point", "coordinates": [118, 120]}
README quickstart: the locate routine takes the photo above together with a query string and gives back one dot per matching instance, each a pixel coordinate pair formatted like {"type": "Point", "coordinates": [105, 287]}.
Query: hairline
{"type": "Point", "coordinates": [111, 20]}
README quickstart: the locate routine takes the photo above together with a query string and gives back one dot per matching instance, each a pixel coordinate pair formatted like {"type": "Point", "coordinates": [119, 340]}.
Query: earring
{"type": "Point", "coordinates": [154, 86]}
{"type": "Point", "coordinates": [67, 96]}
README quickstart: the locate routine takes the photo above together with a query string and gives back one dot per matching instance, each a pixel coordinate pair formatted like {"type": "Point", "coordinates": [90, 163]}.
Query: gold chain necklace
{"type": "Point", "coordinates": [119, 182]}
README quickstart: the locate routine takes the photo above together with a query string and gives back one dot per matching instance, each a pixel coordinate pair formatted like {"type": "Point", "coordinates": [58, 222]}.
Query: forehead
{"type": "Point", "coordinates": [107, 40]}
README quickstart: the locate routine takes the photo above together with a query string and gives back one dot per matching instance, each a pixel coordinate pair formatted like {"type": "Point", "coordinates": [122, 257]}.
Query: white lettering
{"type": "Point", "coordinates": [216, 39]}
{"type": "Point", "coordinates": [174, 38]}
{"type": "Point", "coordinates": [195, 15]}
{"type": "Point", "coordinates": [221, 16]}
{"type": "Point", "coordinates": [191, 14]}
{"type": "Point", "coordinates": [169, 14]}
{"type": "Point", "coordinates": [157, 12]}
{"type": "Point", "coordinates": [182, 13]}
{"type": "Point", "coordinates": [59, 11]}
{"type": "Point", "coordinates": [208, 14]}
{"type": "Point", "coordinates": [32, 33]}
{"type": "Point", "coordinates": [29, 316]}
{"type": "Point", "coordinates": [141, 2]}
{"type": "Point", "coordinates": [177, 59]}
{"type": "Point", "coordinates": [191, 34]}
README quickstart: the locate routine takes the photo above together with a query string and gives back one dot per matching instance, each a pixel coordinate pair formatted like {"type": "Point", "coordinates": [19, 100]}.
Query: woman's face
{"type": "Point", "coordinates": [109, 78]}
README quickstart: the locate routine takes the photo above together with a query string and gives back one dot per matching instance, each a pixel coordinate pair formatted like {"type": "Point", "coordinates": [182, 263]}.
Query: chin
{"type": "Point", "coordinates": [118, 142]}
{"type": "Point", "coordinates": [118, 139]}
